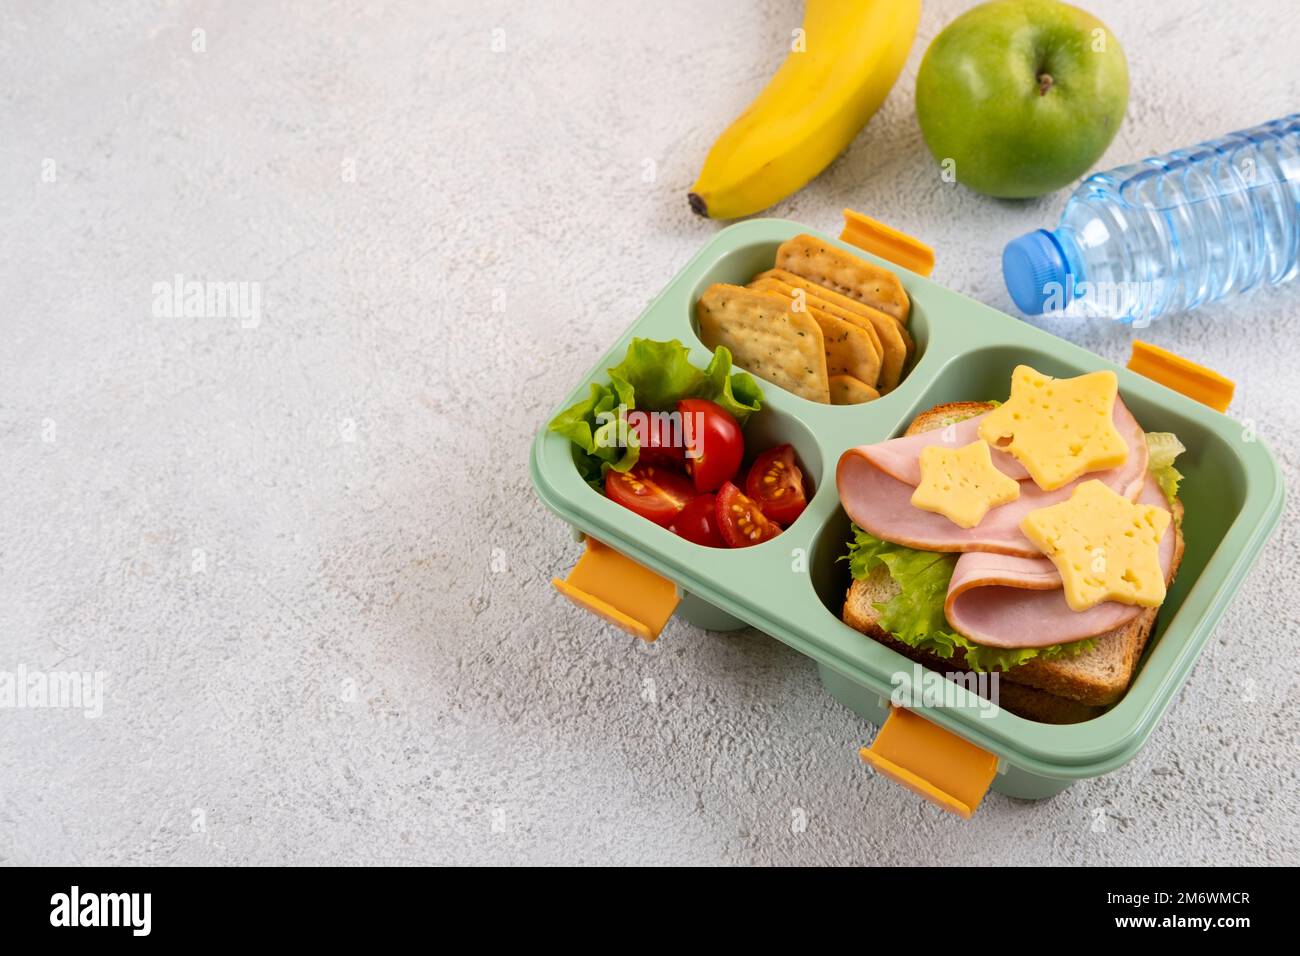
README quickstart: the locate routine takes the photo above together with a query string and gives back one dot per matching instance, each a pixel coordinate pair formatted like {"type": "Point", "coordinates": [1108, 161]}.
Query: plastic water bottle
{"type": "Point", "coordinates": [1169, 233]}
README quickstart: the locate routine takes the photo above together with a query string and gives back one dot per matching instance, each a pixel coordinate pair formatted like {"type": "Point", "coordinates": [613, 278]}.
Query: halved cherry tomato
{"type": "Point", "coordinates": [739, 520]}
{"type": "Point", "coordinates": [659, 437]}
{"type": "Point", "coordinates": [714, 443]}
{"type": "Point", "coordinates": [652, 491]}
{"type": "Point", "coordinates": [698, 522]}
{"type": "Point", "coordinates": [776, 484]}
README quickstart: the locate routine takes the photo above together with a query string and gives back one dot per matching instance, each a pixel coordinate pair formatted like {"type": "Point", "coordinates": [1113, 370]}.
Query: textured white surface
{"type": "Point", "coordinates": [491, 722]}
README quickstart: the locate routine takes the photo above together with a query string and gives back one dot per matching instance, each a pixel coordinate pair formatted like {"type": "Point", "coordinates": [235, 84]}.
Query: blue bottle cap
{"type": "Point", "coordinates": [1030, 265]}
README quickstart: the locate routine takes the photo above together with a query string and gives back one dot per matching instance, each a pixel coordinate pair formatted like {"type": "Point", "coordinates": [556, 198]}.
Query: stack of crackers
{"type": "Point", "coordinates": [823, 324]}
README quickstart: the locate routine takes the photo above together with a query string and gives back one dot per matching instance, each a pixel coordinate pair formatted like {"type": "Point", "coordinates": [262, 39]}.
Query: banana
{"type": "Point", "coordinates": [811, 109]}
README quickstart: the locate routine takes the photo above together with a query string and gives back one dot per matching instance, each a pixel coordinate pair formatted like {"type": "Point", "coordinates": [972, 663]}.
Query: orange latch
{"type": "Point", "coordinates": [624, 593]}
{"type": "Point", "coordinates": [1182, 375]}
{"type": "Point", "coordinates": [887, 242]}
{"type": "Point", "coordinates": [932, 762]}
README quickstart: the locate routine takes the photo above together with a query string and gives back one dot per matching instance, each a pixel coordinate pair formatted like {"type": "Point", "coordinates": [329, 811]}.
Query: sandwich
{"type": "Point", "coordinates": [1035, 538]}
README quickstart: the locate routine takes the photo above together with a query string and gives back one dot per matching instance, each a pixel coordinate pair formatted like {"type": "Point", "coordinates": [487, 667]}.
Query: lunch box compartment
{"type": "Point", "coordinates": [768, 427]}
{"type": "Point", "coordinates": [772, 426]}
{"type": "Point", "coordinates": [1214, 479]}
{"type": "Point", "coordinates": [793, 586]}
{"type": "Point", "coordinates": [739, 265]}
{"type": "Point", "coordinates": [984, 374]}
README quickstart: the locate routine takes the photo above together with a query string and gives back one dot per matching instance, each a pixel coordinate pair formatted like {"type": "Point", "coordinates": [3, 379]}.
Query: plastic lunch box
{"type": "Point", "coordinates": [636, 575]}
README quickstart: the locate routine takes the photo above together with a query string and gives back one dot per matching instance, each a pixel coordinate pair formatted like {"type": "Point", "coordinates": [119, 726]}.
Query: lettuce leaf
{"type": "Point", "coordinates": [1163, 448]}
{"type": "Point", "coordinates": [915, 615]}
{"type": "Point", "coordinates": [653, 376]}
{"type": "Point", "coordinates": [660, 374]}
{"type": "Point", "coordinates": [593, 425]}
{"type": "Point", "coordinates": [737, 392]}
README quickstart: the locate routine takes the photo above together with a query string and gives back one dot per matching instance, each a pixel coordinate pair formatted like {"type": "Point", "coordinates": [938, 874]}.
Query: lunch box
{"type": "Point", "coordinates": [950, 750]}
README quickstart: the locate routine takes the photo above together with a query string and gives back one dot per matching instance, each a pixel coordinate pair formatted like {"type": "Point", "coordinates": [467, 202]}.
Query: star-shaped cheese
{"type": "Point", "coordinates": [1106, 547]}
{"type": "Point", "coordinates": [961, 483]}
{"type": "Point", "coordinates": [1058, 428]}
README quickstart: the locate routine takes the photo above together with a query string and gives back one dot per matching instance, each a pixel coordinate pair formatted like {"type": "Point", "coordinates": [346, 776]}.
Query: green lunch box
{"type": "Point", "coordinates": [792, 587]}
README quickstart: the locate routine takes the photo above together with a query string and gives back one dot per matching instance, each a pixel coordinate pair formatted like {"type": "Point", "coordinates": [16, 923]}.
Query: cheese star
{"type": "Point", "coordinates": [961, 483]}
{"type": "Point", "coordinates": [1058, 428]}
{"type": "Point", "coordinates": [1106, 547]}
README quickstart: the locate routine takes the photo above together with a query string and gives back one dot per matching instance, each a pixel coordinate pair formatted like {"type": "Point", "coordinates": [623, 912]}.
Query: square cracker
{"type": "Point", "coordinates": [848, 275]}
{"type": "Point", "coordinates": [766, 337]}
{"type": "Point", "coordinates": [847, 390]}
{"type": "Point", "coordinates": [895, 343]}
{"type": "Point", "coordinates": [869, 360]}
{"type": "Point", "coordinates": [849, 349]}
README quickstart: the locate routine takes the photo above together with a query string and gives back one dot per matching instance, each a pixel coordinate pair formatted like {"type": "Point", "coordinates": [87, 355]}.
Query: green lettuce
{"type": "Point", "coordinates": [737, 392]}
{"type": "Point", "coordinates": [660, 374]}
{"type": "Point", "coordinates": [1162, 449]}
{"type": "Point", "coordinates": [653, 377]}
{"type": "Point", "coordinates": [915, 615]}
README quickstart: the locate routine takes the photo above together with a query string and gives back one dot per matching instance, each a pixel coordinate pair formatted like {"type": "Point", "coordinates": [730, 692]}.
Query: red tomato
{"type": "Point", "coordinates": [776, 484]}
{"type": "Point", "coordinates": [740, 521]}
{"type": "Point", "coordinates": [652, 491]}
{"type": "Point", "coordinates": [658, 436]}
{"type": "Point", "coordinates": [714, 443]}
{"type": "Point", "coordinates": [698, 522]}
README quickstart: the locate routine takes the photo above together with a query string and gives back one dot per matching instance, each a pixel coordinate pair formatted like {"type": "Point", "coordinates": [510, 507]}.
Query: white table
{"type": "Point", "coordinates": [304, 551]}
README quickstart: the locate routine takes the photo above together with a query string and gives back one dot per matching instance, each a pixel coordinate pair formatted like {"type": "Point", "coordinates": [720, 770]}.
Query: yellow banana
{"type": "Point", "coordinates": [853, 51]}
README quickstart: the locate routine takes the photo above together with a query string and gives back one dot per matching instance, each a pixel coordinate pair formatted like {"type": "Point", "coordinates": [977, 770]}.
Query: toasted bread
{"type": "Point", "coordinates": [1061, 691]}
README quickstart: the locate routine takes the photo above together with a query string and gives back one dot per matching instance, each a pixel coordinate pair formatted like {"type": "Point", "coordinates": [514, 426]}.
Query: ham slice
{"type": "Point", "coordinates": [901, 457]}
{"type": "Point", "coordinates": [876, 483]}
{"type": "Point", "coordinates": [1005, 601]}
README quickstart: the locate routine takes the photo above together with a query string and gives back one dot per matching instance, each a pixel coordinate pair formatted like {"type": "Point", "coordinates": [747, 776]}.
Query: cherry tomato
{"type": "Point", "coordinates": [652, 491]}
{"type": "Point", "coordinates": [776, 484]}
{"type": "Point", "coordinates": [658, 436]}
{"type": "Point", "coordinates": [698, 522]}
{"type": "Point", "coordinates": [714, 443]}
{"type": "Point", "coordinates": [740, 521]}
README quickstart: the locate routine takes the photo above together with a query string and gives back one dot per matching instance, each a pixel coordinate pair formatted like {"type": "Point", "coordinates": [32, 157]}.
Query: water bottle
{"type": "Point", "coordinates": [1169, 233]}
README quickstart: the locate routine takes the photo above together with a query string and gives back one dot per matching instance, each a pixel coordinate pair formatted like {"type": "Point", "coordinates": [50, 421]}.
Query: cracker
{"type": "Point", "coordinates": [831, 266]}
{"type": "Point", "coordinates": [847, 390]}
{"type": "Point", "coordinates": [848, 348]}
{"type": "Point", "coordinates": [766, 337]}
{"type": "Point", "coordinates": [894, 341]}
{"type": "Point", "coordinates": [867, 362]}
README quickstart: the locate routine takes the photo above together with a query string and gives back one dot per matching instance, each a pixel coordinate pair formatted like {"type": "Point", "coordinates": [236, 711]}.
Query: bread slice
{"type": "Point", "coordinates": [1028, 702]}
{"type": "Point", "coordinates": [1061, 691]}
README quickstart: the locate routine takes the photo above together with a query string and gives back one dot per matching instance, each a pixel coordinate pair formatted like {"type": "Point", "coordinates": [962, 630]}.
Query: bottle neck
{"type": "Point", "coordinates": [1070, 252]}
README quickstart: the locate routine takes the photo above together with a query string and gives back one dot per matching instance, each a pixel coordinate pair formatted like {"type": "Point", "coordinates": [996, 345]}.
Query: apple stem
{"type": "Point", "coordinates": [1044, 83]}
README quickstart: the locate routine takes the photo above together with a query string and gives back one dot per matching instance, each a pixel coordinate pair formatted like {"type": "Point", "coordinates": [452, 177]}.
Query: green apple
{"type": "Point", "coordinates": [1021, 97]}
